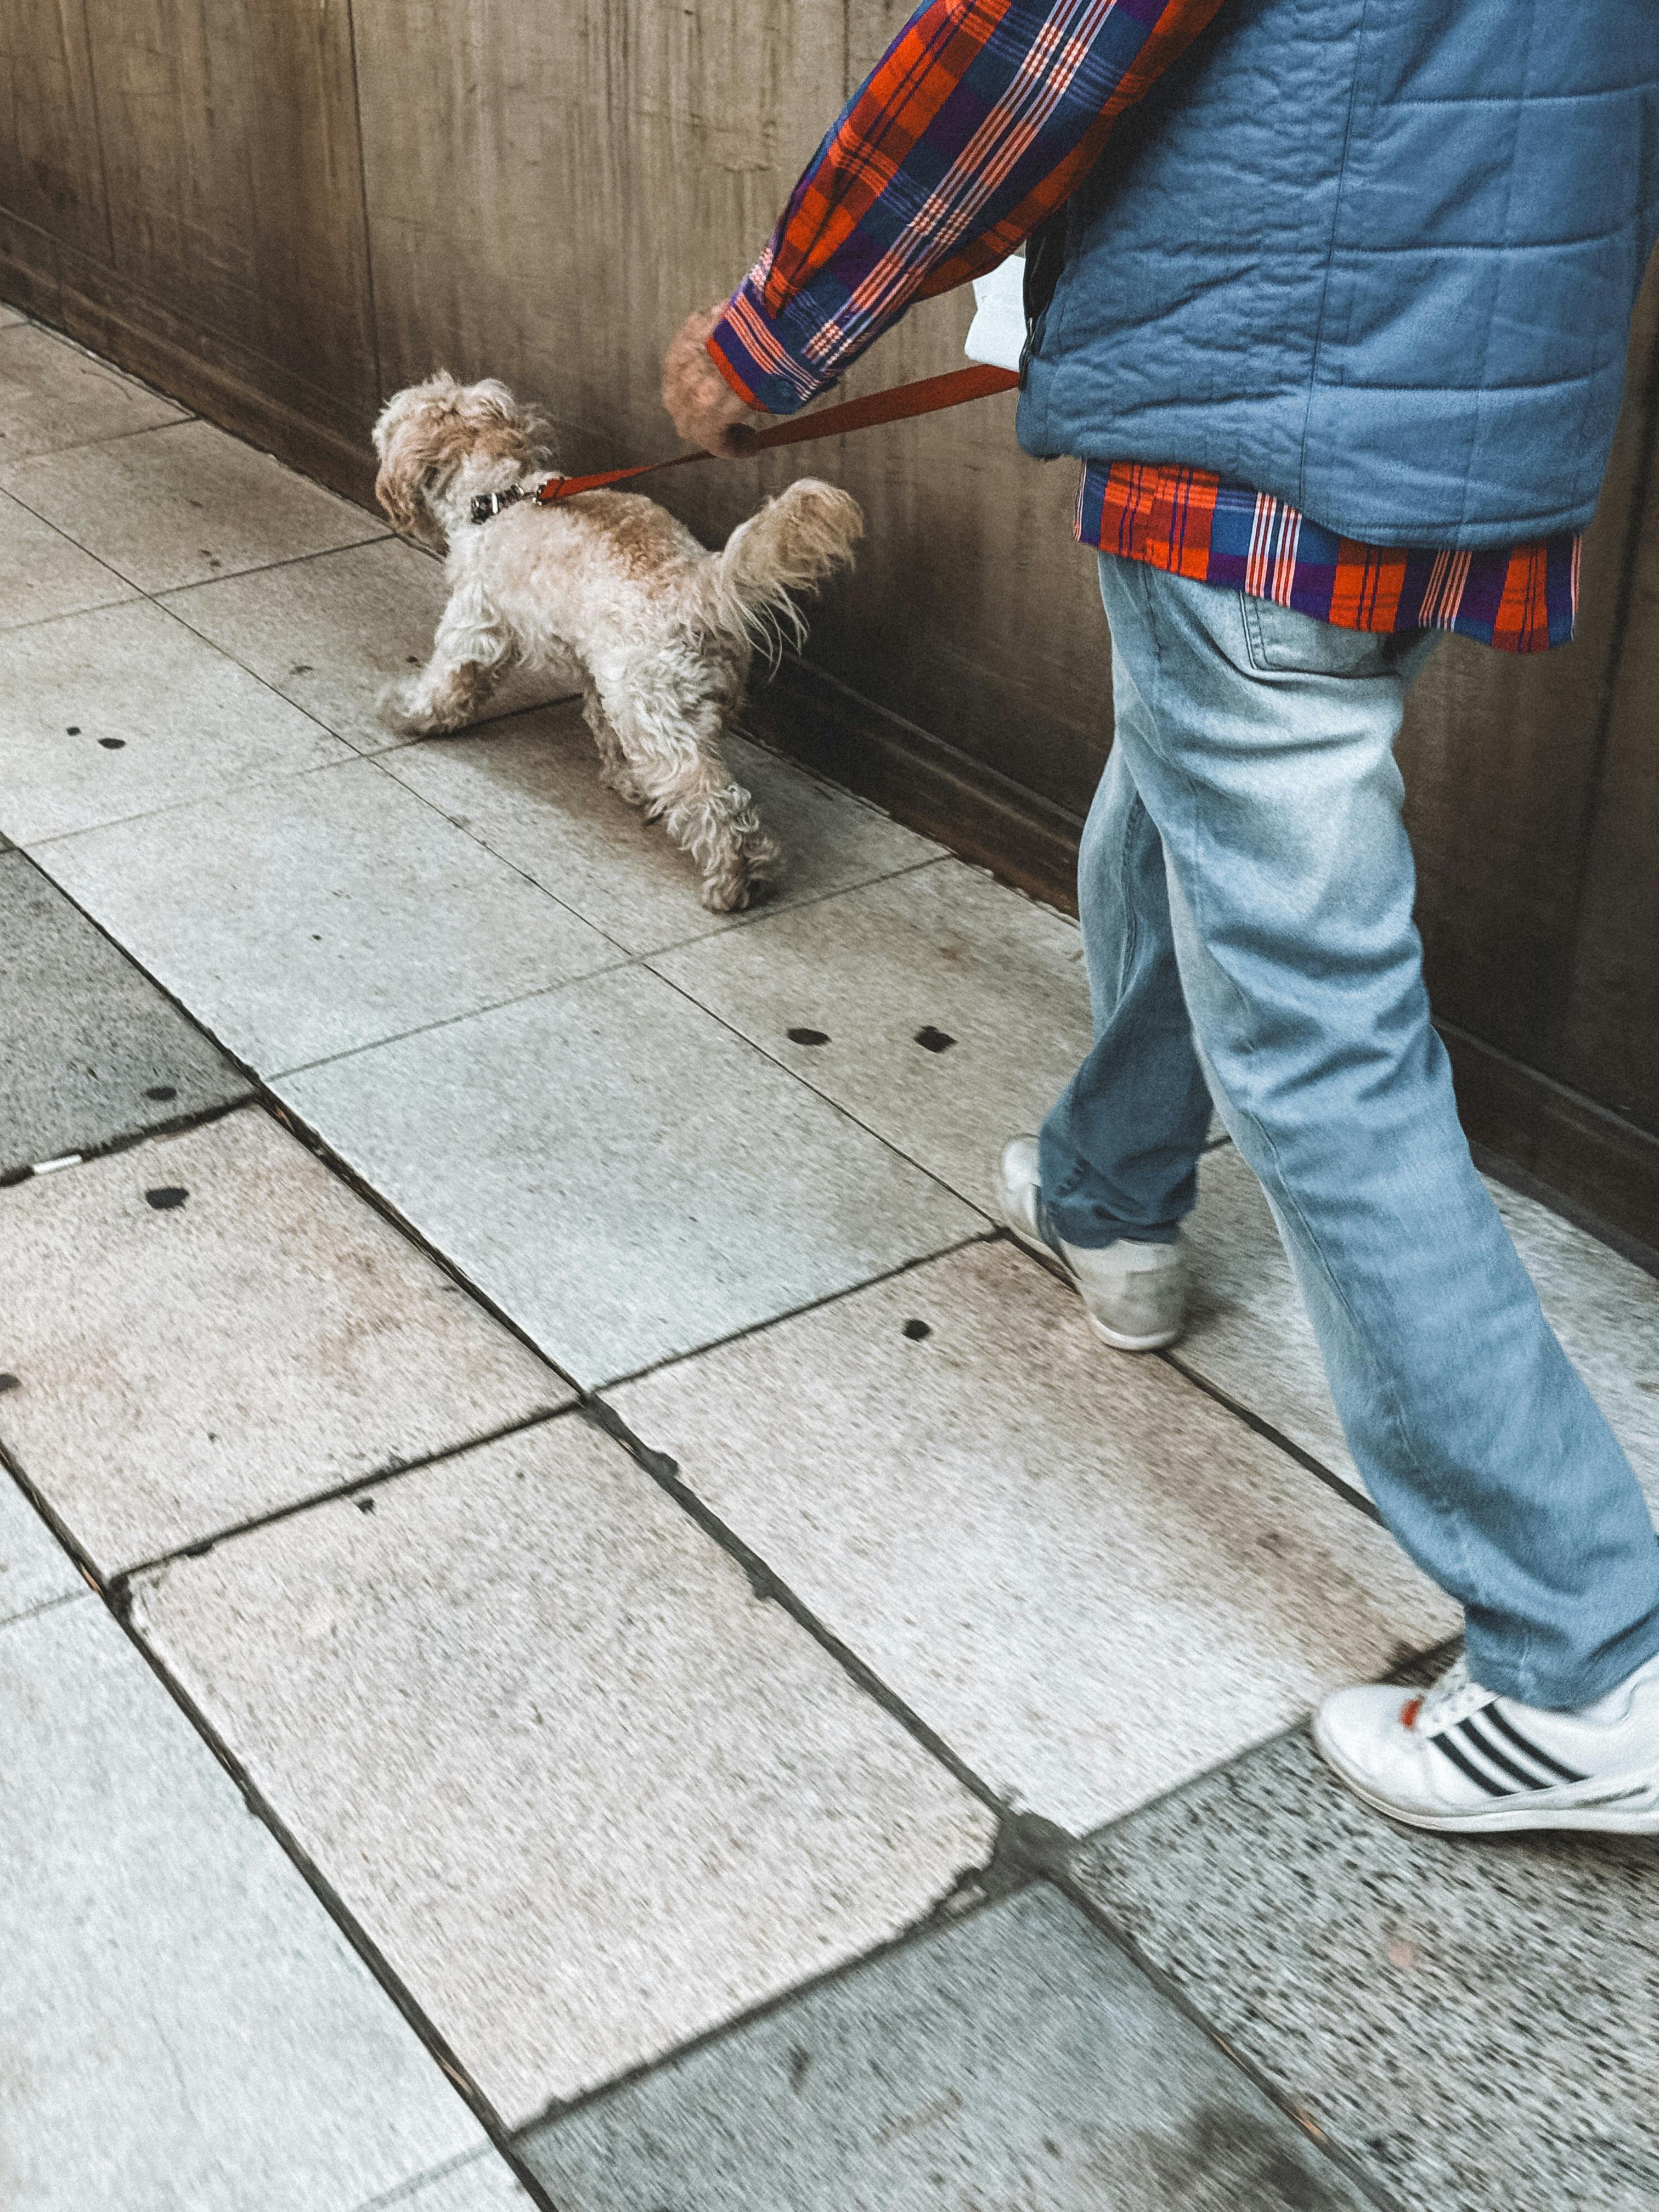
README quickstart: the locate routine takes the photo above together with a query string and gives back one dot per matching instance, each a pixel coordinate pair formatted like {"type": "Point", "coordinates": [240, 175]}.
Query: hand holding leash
{"type": "Point", "coordinates": [706, 411]}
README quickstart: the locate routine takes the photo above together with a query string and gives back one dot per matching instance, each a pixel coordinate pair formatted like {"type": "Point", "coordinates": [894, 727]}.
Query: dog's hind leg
{"type": "Point", "coordinates": [672, 747]}
{"type": "Point", "coordinates": [470, 653]}
{"type": "Point", "coordinates": [615, 774]}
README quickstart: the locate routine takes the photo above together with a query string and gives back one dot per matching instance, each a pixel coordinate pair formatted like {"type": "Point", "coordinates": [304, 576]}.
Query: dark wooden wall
{"type": "Point", "coordinates": [280, 209]}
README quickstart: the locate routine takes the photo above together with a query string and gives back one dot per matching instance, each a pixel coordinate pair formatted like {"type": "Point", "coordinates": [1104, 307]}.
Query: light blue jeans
{"type": "Point", "coordinates": [1246, 887]}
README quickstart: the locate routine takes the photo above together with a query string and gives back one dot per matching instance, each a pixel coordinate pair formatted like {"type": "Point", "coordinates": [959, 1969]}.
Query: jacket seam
{"type": "Point", "coordinates": [1330, 256]}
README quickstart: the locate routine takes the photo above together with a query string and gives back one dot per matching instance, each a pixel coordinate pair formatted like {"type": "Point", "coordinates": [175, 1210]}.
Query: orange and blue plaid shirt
{"type": "Point", "coordinates": [981, 118]}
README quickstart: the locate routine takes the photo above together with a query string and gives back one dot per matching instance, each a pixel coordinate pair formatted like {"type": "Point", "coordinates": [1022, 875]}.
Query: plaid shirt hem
{"type": "Point", "coordinates": [1521, 599]}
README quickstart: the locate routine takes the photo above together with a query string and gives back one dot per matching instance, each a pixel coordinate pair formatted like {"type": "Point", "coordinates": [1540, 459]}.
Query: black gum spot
{"type": "Point", "coordinates": [10, 1382]}
{"type": "Point", "coordinates": [161, 1092]}
{"type": "Point", "coordinates": [165, 1197]}
{"type": "Point", "coordinates": [933, 1040]}
{"type": "Point", "coordinates": [917, 1331]}
{"type": "Point", "coordinates": [807, 1036]}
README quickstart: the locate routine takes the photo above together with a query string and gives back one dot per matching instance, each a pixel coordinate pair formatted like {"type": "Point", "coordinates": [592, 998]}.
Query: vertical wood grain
{"type": "Point", "coordinates": [51, 168]}
{"type": "Point", "coordinates": [230, 144]}
{"type": "Point", "coordinates": [1609, 1005]}
{"type": "Point", "coordinates": [1502, 758]}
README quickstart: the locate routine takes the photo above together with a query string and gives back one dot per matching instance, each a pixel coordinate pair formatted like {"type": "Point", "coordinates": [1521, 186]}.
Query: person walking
{"type": "Point", "coordinates": [1332, 305]}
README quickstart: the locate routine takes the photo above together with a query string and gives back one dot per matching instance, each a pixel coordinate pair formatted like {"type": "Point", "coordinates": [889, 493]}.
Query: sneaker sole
{"type": "Point", "coordinates": [1052, 1260]}
{"type": "Point", "coordinates": [1500, 1820]}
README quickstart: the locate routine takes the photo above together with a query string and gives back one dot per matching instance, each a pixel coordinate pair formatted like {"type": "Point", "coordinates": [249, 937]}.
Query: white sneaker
{"type": "Point", "coordinates": [1462, 1758]}
{"type": "Point", "coordinates": [1135, 1295]}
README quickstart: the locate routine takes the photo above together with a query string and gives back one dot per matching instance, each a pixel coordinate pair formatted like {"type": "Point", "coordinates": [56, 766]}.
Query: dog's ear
{"type": "Point", "coordinates": [502, 427]}
{"type": "Point", "coordinates": [411, 446]}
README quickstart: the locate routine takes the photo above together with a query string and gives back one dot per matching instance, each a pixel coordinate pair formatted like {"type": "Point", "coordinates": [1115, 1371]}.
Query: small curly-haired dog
{"type": "Point", "coordinates": [658, 632]}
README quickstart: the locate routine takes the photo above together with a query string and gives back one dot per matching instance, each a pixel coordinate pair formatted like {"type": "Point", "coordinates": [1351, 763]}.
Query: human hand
{"type": "Point", "coordinates": [706, 409]}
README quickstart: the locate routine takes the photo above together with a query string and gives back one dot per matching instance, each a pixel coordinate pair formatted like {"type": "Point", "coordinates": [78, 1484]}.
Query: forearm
{"type": "Point", "coordinates": [981, 118]}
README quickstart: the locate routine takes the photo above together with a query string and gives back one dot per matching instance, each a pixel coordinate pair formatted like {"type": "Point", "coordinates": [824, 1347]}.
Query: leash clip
{"type": "Point", "coordinates": [490, 503]}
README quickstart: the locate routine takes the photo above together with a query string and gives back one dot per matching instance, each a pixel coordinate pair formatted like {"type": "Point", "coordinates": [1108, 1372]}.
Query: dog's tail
{"type": "Point", "coordinates": [793, 544]}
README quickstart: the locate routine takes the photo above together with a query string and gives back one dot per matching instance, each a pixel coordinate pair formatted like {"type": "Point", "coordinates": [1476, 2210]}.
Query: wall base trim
{"type": "Point", "coordinates": [1588, 1162]}
{"type": "Point", "coordinates": [921, 779]}
{"type": "Point", "coordinates": [69, 293]}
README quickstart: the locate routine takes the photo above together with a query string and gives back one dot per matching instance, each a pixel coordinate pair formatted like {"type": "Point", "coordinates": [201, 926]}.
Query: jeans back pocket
{"type": "Point", "coordinates": [1283, 642]}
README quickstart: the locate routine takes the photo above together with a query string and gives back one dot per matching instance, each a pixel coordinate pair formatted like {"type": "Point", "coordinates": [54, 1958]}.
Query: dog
{"type": "Point", "coordinates": [659, 633]}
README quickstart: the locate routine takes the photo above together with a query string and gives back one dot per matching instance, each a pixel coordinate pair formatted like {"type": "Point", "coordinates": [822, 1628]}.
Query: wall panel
{"type": "Point", "coordinates": [1501, 756]}
{"type": "Point", "coordinates": [1608, 1008]}
{"type": "Point", "coordinates": [230, 146]}
{"type": "Point", "coordinates": [51, 166]}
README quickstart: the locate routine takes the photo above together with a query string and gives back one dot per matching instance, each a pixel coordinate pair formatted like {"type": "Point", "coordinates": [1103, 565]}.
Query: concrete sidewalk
{"type": "Point", "coordinates": [576, 1626]}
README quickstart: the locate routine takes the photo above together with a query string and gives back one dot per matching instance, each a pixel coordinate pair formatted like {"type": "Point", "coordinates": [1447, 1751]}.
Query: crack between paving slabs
{"type": "Point", "coordinates": [768, 1586]}
{"type": "Point", "coordinates": [1415, 1667]}
{"type": "Point", "coordinates": [356, 1487]}
{"type": "Point", "coordinates": [117, 1599]}
{"type": "Point", "coordinates": [806, 1083]}
{"type": "Point", "coordinates": [936, 1923]}
{"type": "Point", "coordinates": [1264, 1429]}
{"type": "Point", "coordinates": [1063, 1877]}
{"type": "Point", "coordinates": [180, 1126]}
{"type": "Point", "coordinates": [791, 1313]}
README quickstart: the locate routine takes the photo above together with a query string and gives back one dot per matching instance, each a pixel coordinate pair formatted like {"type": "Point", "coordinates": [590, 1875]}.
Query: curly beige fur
{"type": "Point", "coordinates": [658, 632]}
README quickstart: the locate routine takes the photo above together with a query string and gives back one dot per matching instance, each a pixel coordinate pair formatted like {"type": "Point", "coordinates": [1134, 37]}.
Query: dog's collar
{"type": "Point", "coordinates": [488, 503]}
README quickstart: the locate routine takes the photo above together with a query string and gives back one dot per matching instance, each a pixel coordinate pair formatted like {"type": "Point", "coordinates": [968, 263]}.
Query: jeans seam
{"type": "Point", "coordinates": [1441, 1504]}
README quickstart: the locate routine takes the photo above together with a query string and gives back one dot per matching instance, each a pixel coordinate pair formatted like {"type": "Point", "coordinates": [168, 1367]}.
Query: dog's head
{"type": "Point", "coordinates": [427, 435]}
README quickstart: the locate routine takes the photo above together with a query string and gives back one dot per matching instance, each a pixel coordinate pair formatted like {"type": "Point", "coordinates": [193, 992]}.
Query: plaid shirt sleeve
{"type": "Point", "coordinates": [978, 121]}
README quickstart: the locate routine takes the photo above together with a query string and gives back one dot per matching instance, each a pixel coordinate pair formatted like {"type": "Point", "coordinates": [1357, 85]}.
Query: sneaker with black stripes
{"type": "Point", "coordinates": [1463, 1760]}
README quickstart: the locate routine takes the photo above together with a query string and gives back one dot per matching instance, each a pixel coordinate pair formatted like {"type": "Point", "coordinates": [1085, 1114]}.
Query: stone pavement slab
{"type": "Point", "coordinates": [53, 395]}
{"type": "Point", "coordinates": [330, 632]}
{"type": "Point", "coordinates": [1476, 2022]}
{"type": "Point", "coordinates": [210, 1326]}
{"type": "Point", "coordinates": [620, 1174]}
{"type": "Point", "coordinates": [116, 712]}
{"type": "Point", "coordinates": [42, 574]}
{"type": "Point", "coordinates": [532, 792]}
{"type": "Point", "coordinates": [311, 915]}
{"type": "Point", "coordinates": [34, 1568]}
{"type": "Point", "coordinates": [1088, 1577]}
{"type": "Point", "coordinates": [89, 1050]}
{"type": "Point", "coordinates": [185, 2026]}
{"type": "Point", "coordinates": [944, 1010]}
{"type": "Point", "coordinates": [613, 1798]}
{"type": "Point", "coordinates": [1251, 1337]}
{"type": "Point", "coordinates": [1017, 2059]}
{"type": "Point", "coordinates": [179, 505]}
{"type": "Point", "coordinates": [487, 2183]}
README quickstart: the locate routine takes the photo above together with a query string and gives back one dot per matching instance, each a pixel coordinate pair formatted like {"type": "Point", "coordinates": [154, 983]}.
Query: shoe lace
{"type": "Point", "coordinates": [1453, 1698]}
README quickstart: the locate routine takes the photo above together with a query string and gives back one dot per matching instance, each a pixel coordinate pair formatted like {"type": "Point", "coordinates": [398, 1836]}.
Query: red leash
{"type": "Point", "coordinates": [930, 395]}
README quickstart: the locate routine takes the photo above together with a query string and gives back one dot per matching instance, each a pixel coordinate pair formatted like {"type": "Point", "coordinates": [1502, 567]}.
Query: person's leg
{"type": "Point", "coordinates": [1120, 1149]}
{"type": "Point", "coordinates": [1264, 756]}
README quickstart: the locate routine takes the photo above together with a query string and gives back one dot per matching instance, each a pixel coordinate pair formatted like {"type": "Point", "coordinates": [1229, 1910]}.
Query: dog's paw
{"type": "Point", "coordinates": [401, 707]}
{"type": "Point", "coordinates": [738, 882]}
{"type": "Point", "coordinates": [395, 707]}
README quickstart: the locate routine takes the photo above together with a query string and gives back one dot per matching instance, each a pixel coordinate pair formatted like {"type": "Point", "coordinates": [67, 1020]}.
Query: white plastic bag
{"type": "Point", "coordinates": [996, 333]}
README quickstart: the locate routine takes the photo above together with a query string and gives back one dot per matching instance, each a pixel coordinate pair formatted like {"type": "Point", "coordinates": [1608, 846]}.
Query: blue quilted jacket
{"type": "Point", "coordinates": [1376, 257]}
